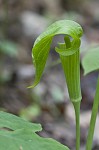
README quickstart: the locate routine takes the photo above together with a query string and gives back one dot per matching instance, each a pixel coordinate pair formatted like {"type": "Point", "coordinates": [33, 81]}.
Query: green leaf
{"type": "Point", "coordinates": [9, 48]}
{"type": "Point", "coordinates": [41, 47]}
{"type": "Point", "coordinates": [13, 122]}
{"type": "Point", "coordinates": [90, 61]}
{"type": "Point", "coordinates": [24, 138]}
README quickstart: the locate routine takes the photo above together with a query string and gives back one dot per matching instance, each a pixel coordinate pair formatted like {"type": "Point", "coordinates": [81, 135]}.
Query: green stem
{"type": "Point", "coordinates": [77, 115]}
{"type": "Point", "coordinates": [93, 119]}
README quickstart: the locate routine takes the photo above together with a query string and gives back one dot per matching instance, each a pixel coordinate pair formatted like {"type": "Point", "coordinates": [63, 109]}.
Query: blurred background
{"type": "Point", "coordinates": [21, 21]}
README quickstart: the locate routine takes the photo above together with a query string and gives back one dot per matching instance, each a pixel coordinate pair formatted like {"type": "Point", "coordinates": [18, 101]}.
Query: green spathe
{"type": "Point", "coordinates": [69, 54]}
{"type": "Point", "coordinates": [41, 49]}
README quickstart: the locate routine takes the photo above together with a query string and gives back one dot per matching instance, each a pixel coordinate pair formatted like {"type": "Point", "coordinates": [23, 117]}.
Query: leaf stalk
{"type": "Point", "coordinates": [77, 117]}
{"type": "Point", "coordinates": [93, 119]}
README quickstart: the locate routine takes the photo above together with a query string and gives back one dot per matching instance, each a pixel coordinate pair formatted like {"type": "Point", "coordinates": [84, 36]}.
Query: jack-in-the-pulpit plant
{"type": "Point", "coordinates": [69, 55]}
{"type": "Point", "coordinates": [18, 134]}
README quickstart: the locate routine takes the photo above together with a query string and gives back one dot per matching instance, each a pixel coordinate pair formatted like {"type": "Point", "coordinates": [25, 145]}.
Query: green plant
{"type": "Point", "coordinates": [90, 63]}
{"type": "Point", "coordinates": [69, 55]}
{"type": "Point", "coordinates": [20, 134]}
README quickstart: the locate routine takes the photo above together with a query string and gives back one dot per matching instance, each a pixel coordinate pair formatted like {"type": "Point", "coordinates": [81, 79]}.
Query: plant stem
{"type": "Point", "coordinates": [93, 119]}
{"type": "Point", "coordinates": [77, 115]}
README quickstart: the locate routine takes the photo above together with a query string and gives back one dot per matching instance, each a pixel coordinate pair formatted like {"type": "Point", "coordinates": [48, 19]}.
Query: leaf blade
{"type": "Point", "coordinates": [23, 137]}
{"type": "Point", "coordinates": [13, 122]}
{"type": "Point", "coordinates": [26, 140]}
{"type": "Point", "coordinates": [90, 61]}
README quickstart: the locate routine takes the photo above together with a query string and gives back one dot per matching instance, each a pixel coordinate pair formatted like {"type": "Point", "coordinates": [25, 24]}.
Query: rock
{"type": "Point", "coordinates": [33, 24]}
{"type": "Point", "coordinates": [96, 133]}
{"type": "Point", "coordinates": [25, 71]}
